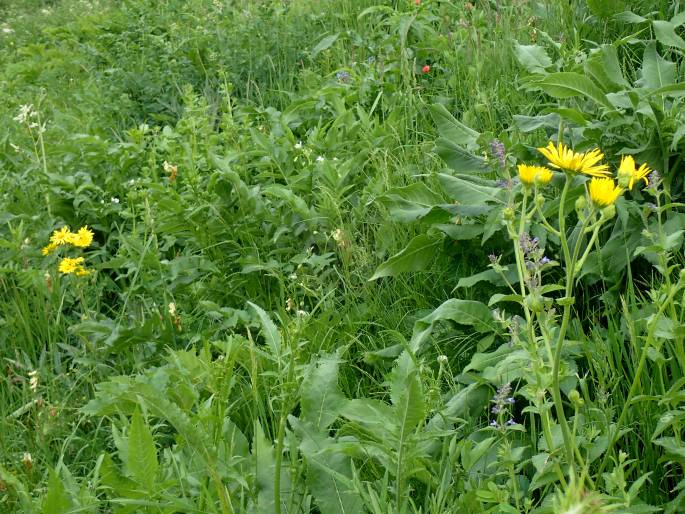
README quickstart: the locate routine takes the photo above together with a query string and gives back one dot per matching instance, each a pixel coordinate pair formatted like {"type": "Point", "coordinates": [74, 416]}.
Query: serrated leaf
{"type": "Point", "coordinates": [142, 455]}
{"type": "Point", "coordinates": [406, 394]}
{"type": "Point", "coordinates": [533, 58]}
{"type": "Point", "coordinates": [665, 34]}
{"type": "Point", "coordinates": [567, 84]}
{"type": "Point", "coordinates": [269, 330]}
{"type": "Point", "coordinates": [56, 500]}
{"type": "Point", "coordinates": [416, 256]}
{"type": "Point", "coordinates": [321, 399]}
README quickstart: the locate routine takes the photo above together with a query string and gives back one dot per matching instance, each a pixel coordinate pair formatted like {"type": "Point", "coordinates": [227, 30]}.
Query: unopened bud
{"type": "Point", "coordinates": [581, 203]}
{"type": "Point", "coordinates": [508, 214]}
{"type": "Point", "coordinates": [575, 398]}
{"type": "Point", "coordinates": [609, 212]}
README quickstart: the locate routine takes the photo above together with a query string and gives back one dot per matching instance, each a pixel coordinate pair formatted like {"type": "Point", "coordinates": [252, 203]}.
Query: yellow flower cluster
{"type": "Point", "coordinates": [80, 239]}
{"type": "Point", "coordinates": [603, 189]}
{"type": "Point", "coordinates": [75, 266]}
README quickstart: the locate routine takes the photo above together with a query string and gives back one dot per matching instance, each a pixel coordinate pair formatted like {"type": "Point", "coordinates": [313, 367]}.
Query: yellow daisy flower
{"type": "Point", "coordinates": [629, 173]}
{"type": "Point", "coordinates": [59, 237]}
{"type": "Point", "coordinates": [564, 158]}
{"type": "Point", "coordinates": [83, 238]}
{"type": "Point", "coordinates": [68, 265]}
{"type": "Point", "coordinates": [529, 175]}
{"type": "Point", "coordinates": [603, 191]}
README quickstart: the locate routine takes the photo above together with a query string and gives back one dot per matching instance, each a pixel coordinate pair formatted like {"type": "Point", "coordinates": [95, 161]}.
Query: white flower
{"type": "Point", "coordinates": [33, 380]}
{"type": "Point", "coordinates": [320, 158]}
{"type": "Point", "coordinates": [114, 199]}
{"type": "Point", "coordinates": [298, 145]}
{"type": "Point", "coordinates": [7, 30]}
{"type": "Point", "coordinates": [25, 111]}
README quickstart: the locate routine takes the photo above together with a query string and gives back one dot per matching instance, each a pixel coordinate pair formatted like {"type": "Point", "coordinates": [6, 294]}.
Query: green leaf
{"type": "Point", "coordinates": [412, 202]}
{"type": "Point", "coordinates": [458, 158]}
{"type": "Point", "coordinates": [324, 44]}
{"type": "Point", "coordinates": [605, 8]}
{"type": "Point", "coordinates": [467, 191]}
{"type": "Point", "coordinates": [142, 455]}
{"type": "Point", "coordinates": [567, 84]}
{"type": "Point", "coordinates": [461, 232]}
{"type": "Point", "coordinates": [656, 71]}
{"type": "Point", "coordinates": [417, 255]}
{"type": "Point", "coordinates": [329, 471]}
{"type": "Point", "coordinates": [406, 394]}
{"type": "Point", "coordinates": [533, 58]}
{"type": "Point", "coordinates": [269, 330]}
{"type": "Point", "coordinates": [531, 123]}
{"type": "Point", "coordinates": [321, 398]}
{"type": "Point", "coordinates": [665, 34]}
{"type": "Point", "coordinates": [374, 415]}
{"type": "Point", "coordinates": [463, 312]}
{"type": "Point", "coordinates": [56, 500]}
{"type": "Point", "coordinates": [451, 129]}
{"type": "Point", "coordinates": [629, 17]}
{"type": "Point", "coordinates": [604, 67]}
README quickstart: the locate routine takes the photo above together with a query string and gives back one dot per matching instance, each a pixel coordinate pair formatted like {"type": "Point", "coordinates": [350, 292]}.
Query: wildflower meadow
{"type": "Point", "coordinates": [342, 256]}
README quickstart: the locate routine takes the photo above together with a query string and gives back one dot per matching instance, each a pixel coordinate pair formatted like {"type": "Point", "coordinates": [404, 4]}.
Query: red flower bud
{"type": "Point", "coordinates": [426, 69]}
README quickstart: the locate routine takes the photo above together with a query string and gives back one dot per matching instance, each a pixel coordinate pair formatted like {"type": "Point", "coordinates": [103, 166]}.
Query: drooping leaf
{"type": "Point", "coordinates": [458, 158]}
{"type": "Point", "coordinates": [413, 202]}
{"type": "Point", "coordinates": [451, 129]}
{"type": "Point", "coordinates": [471, 192]}
{"type": "Point", "coordinates": [567, 84]}
{"type": "Point", "coordinates": [463, 312]}
{"type": "Point", "coordinates": [324, 44]}
{"type": "Point", "coordinates": [416, 256]}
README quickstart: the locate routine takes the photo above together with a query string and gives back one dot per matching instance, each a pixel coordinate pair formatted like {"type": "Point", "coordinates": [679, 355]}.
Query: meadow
{"type": "Point", "coordinates": [342, 256]}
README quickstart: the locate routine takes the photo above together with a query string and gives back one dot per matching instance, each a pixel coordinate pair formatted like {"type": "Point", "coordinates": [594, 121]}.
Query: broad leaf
{"type": "Point", "coordinates": [471, 192]}
{"type": "Point", "coordinates": [458, 158]}
{"type": "Point", "coordinates": [657, 72]}
{"type": "Point", "coordinates": [417, 255]}
{"type": "Point", "coordinates": [321, 398]}
{"type": "Point", "coordinates": [533, 58]}
{"type": "Point", "coordinates": [568, 84]}
{"type": "Point", "coordinates": [142, 455]}
{"type": "Point", "coordinates": [452, 129]}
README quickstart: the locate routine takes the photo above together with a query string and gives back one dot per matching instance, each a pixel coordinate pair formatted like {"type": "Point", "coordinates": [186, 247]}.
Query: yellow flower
{"type": "Point", "coordinates": [83, 238]}
{"type": "Point", "coordinates": [629, 174]}
{"type": "Point", "coordinates": [58, 238]}
{"type": "Point", "coordinates": [529, 175]}
{"type": "Point", "coordinates": [603, 191]}
{"type": "Point", "coordinates": [564, 158]}
{"type": "Point", "coordinates": [68, 265]}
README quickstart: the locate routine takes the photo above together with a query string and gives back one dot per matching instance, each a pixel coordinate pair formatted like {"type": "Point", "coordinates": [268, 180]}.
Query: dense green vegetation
{"type": "Point", "coordinates": [320, 280]}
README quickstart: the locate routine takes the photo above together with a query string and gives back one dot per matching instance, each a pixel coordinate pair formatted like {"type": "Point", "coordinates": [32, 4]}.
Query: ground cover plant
{"type": "Point", "coordinates": [342, 256]}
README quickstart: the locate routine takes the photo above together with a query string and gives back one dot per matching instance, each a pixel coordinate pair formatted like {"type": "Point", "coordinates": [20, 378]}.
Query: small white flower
{"type": "Point", "coordinates": [7, 30]}
{"type": "Point", "coordinates": [33, 380]}
{"type": "Point", "coordinates": [15, 147]}
{"type": "Point", "coordinates": [298, 145]}
{"type": "Point", "coordinates": [24, 112]}
{"type": "Point", "coordinates": [114, 199]}
{"type": "Point", "coordinates": [302, 314]}
{"type": "Point", "coordinates": [442, 359]}
{"type": "Point", "coordinates": [293, 276]}
{"type": "Point", "coordinates": [320, 158]}
{"type": "Point", "coordinates": [172, 309]}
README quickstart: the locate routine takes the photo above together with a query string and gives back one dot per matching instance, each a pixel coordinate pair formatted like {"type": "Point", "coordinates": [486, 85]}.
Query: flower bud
{"type": "Point", "coordinates": [575, 398]}
{"type": "Point", "coordinates": [609, 212]}
{"type": "Point", "coordinates": [581, 203]}
{"type": "Point", "coordinates": [539, 201]}
{"type": "Point", "coordinates": [508, 214]}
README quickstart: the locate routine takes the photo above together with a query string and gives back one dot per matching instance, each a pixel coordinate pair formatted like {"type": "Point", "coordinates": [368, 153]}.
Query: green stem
{"type": "Point", "coordinates": [636, 379]}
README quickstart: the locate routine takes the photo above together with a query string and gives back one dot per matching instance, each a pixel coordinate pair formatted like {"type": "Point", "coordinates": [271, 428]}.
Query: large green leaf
{"type": "Point", "coordinates": [463, 312]}
{"type": "Point", "coordinates": [413, 202]}
{"type": "Point", "coordinates": [56, 501]}
{"type": "Point", "coordinates": [534, 58]}
{"type": "Point", "coordinates": [567, 84]}
{"type": "Point", "coordinates": [406, 394]}
{"type": "Point", "coordinates": [603, 66]}
{"type": "Point", "coordinates": [471, 192]}
{"type": "Point", "coordinates": [656, 71]}
{"type": "Point", "coordinates": [417, 255]}
{"type": "Point", "coordinates": [665, 34]}
{"type": "Point", "coordinates": [329, 470]}
{"type": "Point", "coordinates": [458, 158]}
{"type": "Point", "coordinates": [142, 455]}
{"type": "Point", "coordinates": [321, 398]}
{"type": "Point", "coordinates": [452, 129]}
